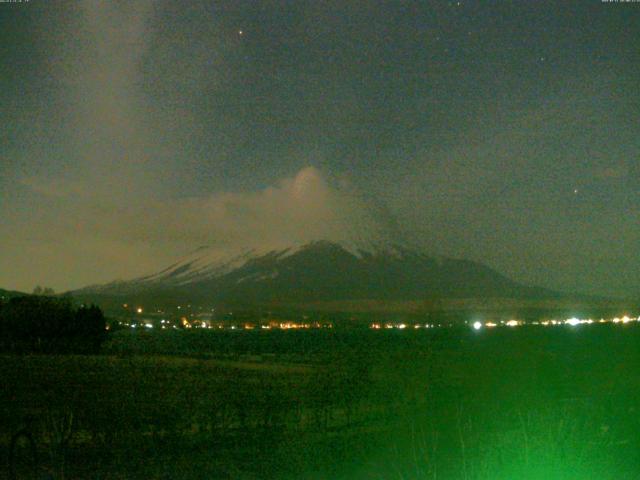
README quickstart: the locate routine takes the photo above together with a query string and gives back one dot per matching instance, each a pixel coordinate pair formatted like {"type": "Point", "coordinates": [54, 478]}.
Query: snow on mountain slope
{"type": "Point", "coordinates": [320, 271]}
{"type": "Point", "coordinates": [207, 263]}
{"type": "Point", "coordinates": [309, 241]}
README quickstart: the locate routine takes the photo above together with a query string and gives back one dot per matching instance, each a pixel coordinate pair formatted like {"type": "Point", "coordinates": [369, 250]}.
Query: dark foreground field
{"type": "Point", "coordinates": [525, 403]}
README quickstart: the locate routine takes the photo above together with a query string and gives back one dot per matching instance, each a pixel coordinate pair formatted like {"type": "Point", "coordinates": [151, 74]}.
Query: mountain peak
{"type": "Point", "coordinates": [322, 270]}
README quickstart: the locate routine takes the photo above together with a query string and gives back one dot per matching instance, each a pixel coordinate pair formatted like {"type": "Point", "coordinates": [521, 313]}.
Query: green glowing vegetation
{"type": "Point", "coordinates": [502, 403]}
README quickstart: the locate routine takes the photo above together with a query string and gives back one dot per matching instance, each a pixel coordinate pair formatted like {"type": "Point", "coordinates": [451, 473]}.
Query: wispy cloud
{"type": "Point", "coordinates": [109, 235]}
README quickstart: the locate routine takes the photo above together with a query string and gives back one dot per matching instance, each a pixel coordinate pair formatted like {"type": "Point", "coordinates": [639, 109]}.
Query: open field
{"type": "Point", "coordinates": [528, 403]}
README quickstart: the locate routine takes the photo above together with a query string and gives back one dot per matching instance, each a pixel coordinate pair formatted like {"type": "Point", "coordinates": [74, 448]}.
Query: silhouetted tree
{"type": "Point", "coordinates": [46, 291]}
{"type": "Point", "coordinates": [89, 324]}
{"type": "Point", "coordinates": [45, 323]}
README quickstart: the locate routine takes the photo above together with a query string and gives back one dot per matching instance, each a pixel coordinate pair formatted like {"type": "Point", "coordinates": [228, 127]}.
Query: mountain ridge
{"type": "Point", "coordinates": [320, 271]}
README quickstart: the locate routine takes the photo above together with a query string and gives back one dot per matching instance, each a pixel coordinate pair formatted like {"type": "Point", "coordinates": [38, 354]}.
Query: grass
{"type": "Point", "coordinates": [452, 404]}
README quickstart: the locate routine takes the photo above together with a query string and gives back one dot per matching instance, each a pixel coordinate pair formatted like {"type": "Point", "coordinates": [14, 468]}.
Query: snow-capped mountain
{"type": "Point", "coordinates": [207, 263]}
{"type": "Point", "coordinates": [318, 271]}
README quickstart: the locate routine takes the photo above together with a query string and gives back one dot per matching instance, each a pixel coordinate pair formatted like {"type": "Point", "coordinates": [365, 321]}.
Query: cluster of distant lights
{"type": "Point", "coordinates": [164, 324]}
{"type": "Point", "coordinates": [185, 324]}
{"type": "Point", "coordinates": [402, 326]}
{"type": "Point", "coordinates": [284, 326]}
{"type": "Point", "coordinates": [573, 322]}
{"type": "Point", "coordinates": [253, 326]}
{"type": "Point", "coordinates": [478, 325]}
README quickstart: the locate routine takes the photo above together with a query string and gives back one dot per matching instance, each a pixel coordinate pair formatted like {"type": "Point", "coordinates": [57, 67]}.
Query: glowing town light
{"type": "Point", "coordinates": [402, 326]}
{"type": "Point", "coordinates": [477, 325]}
{"type": "Point", "coordinates": [148, 325]}
{"type": "Point", "coordinates": [139, 309]}
{"type": "Point", "coordinates": [490, 324]}
{"type": "Point", "coordinates": [512, 323]}
{"type": "Point", "coordinates": [625, 319]}
{"type": "Point", "coordinates": [572, 321]}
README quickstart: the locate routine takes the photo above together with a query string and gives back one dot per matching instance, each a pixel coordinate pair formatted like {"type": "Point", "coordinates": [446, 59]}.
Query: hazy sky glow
{"type": "Point", "coordinates": [134, 132]}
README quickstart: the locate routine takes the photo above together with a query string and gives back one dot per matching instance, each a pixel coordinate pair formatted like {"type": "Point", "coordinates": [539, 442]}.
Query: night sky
{"type": "Point", "coordinates": [135, 131]}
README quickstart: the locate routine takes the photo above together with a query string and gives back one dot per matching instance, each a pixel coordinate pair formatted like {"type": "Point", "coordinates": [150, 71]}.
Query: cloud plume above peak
{"type": "Point", "coordinates": [296, 210]}
{"type": "Point", "coordinates": [299, 209]}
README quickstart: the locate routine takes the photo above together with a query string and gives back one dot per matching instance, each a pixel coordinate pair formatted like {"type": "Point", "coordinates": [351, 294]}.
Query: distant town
{"type": "Point", "coordinates": [192, 317]}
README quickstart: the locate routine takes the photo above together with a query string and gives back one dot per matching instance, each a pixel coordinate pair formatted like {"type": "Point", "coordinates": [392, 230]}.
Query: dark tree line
{"type": "Point", "coordinates": [37, 323]}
